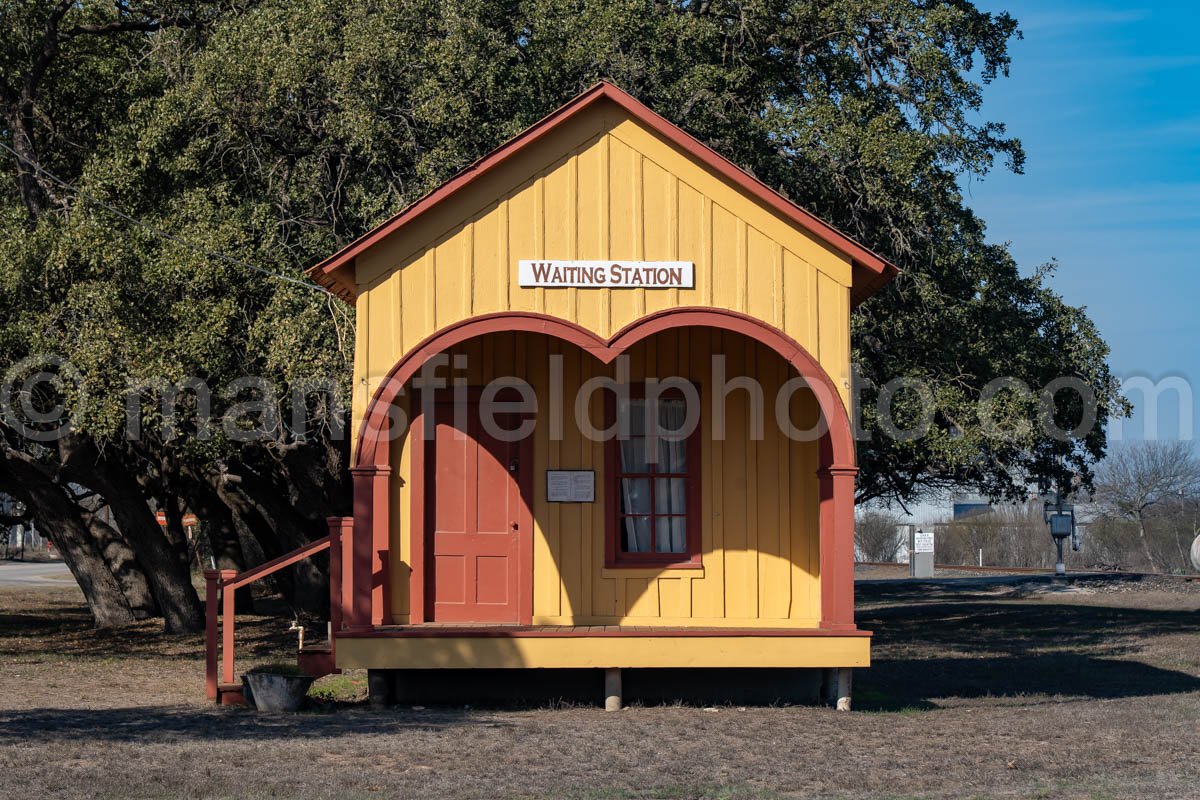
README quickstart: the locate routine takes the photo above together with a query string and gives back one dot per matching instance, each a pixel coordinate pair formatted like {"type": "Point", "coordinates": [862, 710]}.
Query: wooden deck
{"type": "Point", "coordinates": [432, 646]}
{"type": "Point", "coordinates": [486, 630]}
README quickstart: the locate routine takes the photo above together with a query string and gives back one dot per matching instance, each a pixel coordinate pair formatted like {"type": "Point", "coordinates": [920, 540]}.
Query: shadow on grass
{"type": "Point", "coordinates": [1017, 628]}
{"type": "Point", "coordinates": [948, 647]}
{"type": "Point", "coordinates": [67, 629]}
{"type": "Point", "coordinates": [165, 724]}
{"type": "Point", "coordinates": [912, 684]}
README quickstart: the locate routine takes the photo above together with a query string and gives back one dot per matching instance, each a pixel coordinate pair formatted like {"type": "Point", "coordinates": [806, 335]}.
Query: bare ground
{"type": "Point", "coordinates": [978, 690]}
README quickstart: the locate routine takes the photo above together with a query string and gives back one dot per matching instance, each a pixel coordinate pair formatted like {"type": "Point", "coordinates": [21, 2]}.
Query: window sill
{"type": "Point", "coordinates": [649, 569]}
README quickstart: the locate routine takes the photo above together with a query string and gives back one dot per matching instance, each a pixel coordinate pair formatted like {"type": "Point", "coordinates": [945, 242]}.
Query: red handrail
{"type": "Point", "coordinates": [223, 583]}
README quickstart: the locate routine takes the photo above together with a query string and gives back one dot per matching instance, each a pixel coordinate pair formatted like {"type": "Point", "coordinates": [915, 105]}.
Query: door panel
{"type": "Point", "coordinates": [476, 521]}
{"type": "Point", "coordinates": [452, 579]}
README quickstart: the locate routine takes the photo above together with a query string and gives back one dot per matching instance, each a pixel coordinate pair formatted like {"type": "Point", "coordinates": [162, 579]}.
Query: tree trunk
{"type": "Point", "coordinates": [123, 564]}
{"type": "Point", "coordinates": [288, 528]}
{"type": "Point", "coordinates": [57, 516]}
{"type": "Point", "coordinates": [1141, 523]}
{"type": "Point", "coordinates": [223, 538]}
{"type": "Point", "coordinates": [175, 533]}
{"type": "Point", "coordinates": [28, 186]}
{"type": "Point", "coordinates": [170, 581]}
{"type": "Point", "coordinates": [243, 511]}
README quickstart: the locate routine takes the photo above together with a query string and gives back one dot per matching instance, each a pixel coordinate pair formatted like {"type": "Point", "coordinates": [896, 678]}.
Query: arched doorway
{"type": "Point", "coordinates": [372, 470]}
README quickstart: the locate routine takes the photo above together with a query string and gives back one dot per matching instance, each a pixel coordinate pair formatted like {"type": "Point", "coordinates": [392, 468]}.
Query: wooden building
{"type": "Point", "coordinates": [670, 341]}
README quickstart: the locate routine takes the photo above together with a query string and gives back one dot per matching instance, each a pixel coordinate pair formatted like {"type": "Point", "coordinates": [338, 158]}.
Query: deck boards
{"type": "Point", "coordinates": [485, 630]}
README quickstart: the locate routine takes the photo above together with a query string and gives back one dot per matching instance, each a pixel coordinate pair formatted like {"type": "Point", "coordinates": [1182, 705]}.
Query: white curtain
{"type": "Point", "coordinates": [635, 492]}
{"type": "Point", "coordinates": [670, 494]}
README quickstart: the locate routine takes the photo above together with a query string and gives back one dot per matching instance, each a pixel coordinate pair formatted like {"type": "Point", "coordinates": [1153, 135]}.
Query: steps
{"type": "Point", "coordinates": [317, 661]}
{"type": "Point", "coordinates": [230, 694]}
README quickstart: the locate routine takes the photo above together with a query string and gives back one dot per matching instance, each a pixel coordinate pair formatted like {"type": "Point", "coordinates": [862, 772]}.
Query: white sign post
{"type": "Point", "coordinates": [553, 274]}
{"type": "Point", "coordinates": [920, 553]}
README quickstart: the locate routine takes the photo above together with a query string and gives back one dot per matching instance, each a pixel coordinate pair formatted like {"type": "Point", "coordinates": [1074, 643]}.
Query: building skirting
{"type": "Point", "coordinates": [433, 647]}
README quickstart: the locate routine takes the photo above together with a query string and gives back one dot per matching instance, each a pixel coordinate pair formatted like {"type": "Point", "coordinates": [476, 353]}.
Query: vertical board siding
{"type": "Point", "coordinates": [621, 193]}
{"type": "Point", "coordinates": [606, 199]}
{"type": "Point", "coordinates": [758, 508]}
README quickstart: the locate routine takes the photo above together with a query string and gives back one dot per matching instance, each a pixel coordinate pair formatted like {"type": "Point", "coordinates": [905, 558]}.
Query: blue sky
{"type": "Point", "coordinates": [1106, 100]}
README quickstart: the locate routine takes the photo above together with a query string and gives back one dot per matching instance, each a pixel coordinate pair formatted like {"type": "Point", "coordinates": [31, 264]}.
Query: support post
{"type": "Point", "coordinates": [612, 689]}
{"type": "Point", "coordinates": [339, 528]}
{"type": "Point", "coordinates": [845, 677]}
{"type": "Point", "coordinates": [211, 577]}
{"type": "Point", "coordinates": [836, 484]}
{"type": "Point", "coordinates": [836, 687]}
{"type": "Point", "coordinates": [214, 594]}
{"type": "Point", "coordinates": [370, 526]}
{"type": "Point", "coordinates": [347, 570]}
{"type": "Point", "coordinates": [227, 617]}
{"type": "Point", "coordinates": [380, 693]}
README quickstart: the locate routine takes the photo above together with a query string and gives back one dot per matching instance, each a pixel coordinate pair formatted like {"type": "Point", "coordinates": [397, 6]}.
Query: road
{"type": "Point", "coordinates": [29, 574]}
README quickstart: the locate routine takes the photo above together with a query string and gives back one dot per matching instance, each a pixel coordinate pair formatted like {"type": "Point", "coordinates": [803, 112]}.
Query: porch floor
{"type": "Point", "coordinates": [482, 646]}
{"type": "Point", "coordinates": [484, 629]}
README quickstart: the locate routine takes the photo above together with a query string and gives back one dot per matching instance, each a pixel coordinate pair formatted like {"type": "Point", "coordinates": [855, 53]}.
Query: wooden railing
{"type": "Point", "coordinates": [221, 585]}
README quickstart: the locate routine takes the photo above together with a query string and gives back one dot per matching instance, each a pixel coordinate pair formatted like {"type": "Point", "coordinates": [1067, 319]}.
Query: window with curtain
{"type": "Point", "coordinates": [653, 482]}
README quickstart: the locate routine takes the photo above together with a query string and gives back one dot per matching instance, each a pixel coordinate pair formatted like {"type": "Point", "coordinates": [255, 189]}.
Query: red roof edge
{"type": "Point", "coordinates": [871, 272]}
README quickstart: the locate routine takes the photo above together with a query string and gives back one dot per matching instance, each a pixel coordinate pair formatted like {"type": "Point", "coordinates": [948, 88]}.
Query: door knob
{"type": "Point", "coordinates": [515, 526]}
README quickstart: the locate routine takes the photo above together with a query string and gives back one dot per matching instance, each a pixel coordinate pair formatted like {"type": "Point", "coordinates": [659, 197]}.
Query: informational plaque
{"type": "Point", "coordinates": [606, 274]}
{"type": "Point", "coordinates": [570, 486]}
{"type": "Point", "coordinates": [923, 541]}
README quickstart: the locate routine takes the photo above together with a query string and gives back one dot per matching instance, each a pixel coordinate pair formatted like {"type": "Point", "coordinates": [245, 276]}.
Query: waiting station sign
{"type": "Point", "coordinates": [606, 274]}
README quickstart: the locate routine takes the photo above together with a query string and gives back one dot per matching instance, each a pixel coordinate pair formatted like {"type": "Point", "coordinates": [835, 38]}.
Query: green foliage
{"type": "Point", "coordinates": [276, 131]}
{"type": "Point", "coordinates": [278, 668]}
{"type": "Point", "coordinates": [345, 688]}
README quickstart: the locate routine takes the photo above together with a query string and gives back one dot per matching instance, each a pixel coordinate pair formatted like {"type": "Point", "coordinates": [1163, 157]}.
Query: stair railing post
{"type": "Point", "coordinates": [339, 529]}
{"type": "Point", "coordinates": [227, 617]}
{"type": "Point", "coordinates": [211, 577]}
{"type": "Point", "coordinates": [347, 587]}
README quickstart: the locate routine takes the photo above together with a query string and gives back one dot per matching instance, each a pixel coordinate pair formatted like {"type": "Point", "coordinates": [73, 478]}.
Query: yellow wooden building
{"type": "Point", "coordinates": [601, 383]}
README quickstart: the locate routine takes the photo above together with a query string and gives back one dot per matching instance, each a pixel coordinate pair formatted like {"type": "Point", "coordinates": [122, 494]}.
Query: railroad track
{"type": "Point", "coordinates": [1032, 570]}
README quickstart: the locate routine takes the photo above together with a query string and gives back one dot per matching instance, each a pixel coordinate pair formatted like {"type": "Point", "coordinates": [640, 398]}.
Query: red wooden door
{"type": "Point", "coordinates": [478, 521]}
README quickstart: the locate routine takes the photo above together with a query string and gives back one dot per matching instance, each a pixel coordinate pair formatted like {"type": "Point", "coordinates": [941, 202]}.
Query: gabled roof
{"type": "Point", "coordinates": [870, 271]}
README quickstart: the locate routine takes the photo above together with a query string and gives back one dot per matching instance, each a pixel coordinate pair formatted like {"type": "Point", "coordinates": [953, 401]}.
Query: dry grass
{"type": "Point", "coordinates": [983, 691]}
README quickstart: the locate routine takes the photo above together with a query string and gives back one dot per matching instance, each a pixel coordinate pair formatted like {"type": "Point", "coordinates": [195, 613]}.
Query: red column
{"type": "Point", "coordinates": [370, 537]}
{"type": "Point", "coordinates": [837, 547]}
{"type": "Point", "coordinates": [340, 528]}
{"type": "Point", "coordinates": [214, 596]}
{"type": "Point", "coordinates": [226, 628]}
{"type": "Point", "coordinates": [211, 577]}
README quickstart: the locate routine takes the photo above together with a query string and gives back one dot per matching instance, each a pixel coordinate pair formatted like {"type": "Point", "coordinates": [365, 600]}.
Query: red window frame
{"type": "Point", "coordinates": [613, 554]}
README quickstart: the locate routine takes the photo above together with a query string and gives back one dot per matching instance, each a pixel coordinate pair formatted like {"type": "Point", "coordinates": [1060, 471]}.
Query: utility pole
{"type": "Point", "coordinates": [1060, 516]}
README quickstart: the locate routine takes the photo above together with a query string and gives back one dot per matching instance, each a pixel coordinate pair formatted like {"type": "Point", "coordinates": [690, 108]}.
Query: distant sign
{"type": "Point", "coordinates": [923, 542]}
{"type": "Point", "coordinates": [189, 520]}
{"type": "Point", "coordinates": [570, 486]}
{"type": "Point", "coordinates": [606, 274]}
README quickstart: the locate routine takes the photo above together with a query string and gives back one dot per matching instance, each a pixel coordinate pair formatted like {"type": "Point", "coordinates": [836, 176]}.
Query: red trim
{"type": "Point", "coordinates": [368, 572]}
{"type": "Point", "coordinates": [836, 491]}
{"type": "Point", "coordinates": [872, 271]}
{"type": "Point", "coordinates": [836, 444]}
{"type": "Point", "coordinates": [341, 529]}
{"type": "Point", "coordinates": [416, 578]}
{"type": "Point", "coordinates": [286, 560]}
{"type": "Point", "coordinates": [585, 631]}
{"type": "Point", "coordinates": [613, 556]}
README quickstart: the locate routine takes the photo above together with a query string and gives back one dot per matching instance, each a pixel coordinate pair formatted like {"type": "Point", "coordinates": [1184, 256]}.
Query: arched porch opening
{"type": "Point", "coordinates": [372, 469]}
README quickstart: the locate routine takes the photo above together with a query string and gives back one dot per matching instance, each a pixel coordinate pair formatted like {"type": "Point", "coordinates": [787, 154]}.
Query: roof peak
{"type": "Point", "coordinates": [871, 271]}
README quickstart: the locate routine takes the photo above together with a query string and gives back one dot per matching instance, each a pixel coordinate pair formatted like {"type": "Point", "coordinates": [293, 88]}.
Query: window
{"type": "Point", "coordinates": [653, 482]}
